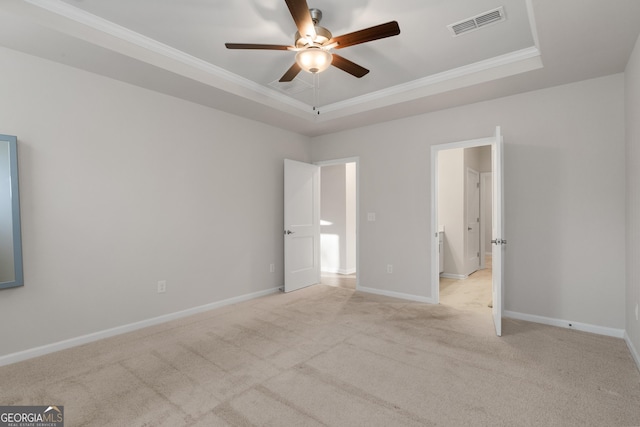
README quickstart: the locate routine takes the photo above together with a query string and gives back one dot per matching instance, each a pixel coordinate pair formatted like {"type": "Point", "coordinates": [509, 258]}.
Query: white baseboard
{"type": "Point", "coordinates": [585, 327]}
{"type": "Point", "coordinates": [454, 276]}
{"type": "Point", "coordinates": [396, 295]}
{"type": "Point", "coordinates": [84, 339]}
{"type": "Point", "coordinates": [633, 350]}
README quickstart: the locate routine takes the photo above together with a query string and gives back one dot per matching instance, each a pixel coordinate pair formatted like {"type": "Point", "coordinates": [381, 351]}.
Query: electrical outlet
{"type": "Point", "coordinates": [162, 286]}
{"type": "Point", "coordinates": [389, 268]}
{"type": "Point", "coordinates": [272, 268]}
{"type": "Point", "coordinates": [371, 216]}
{"type": "Point", "coordinates": [636, 311]}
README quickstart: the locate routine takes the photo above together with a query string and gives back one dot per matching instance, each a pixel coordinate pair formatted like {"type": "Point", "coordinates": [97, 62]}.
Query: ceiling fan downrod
{"type": "Point", "coordinates": [316, 16]}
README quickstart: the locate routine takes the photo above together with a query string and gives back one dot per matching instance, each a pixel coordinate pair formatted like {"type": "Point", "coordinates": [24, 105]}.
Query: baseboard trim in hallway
{"type": "Point", "coordinates": [84, 339]}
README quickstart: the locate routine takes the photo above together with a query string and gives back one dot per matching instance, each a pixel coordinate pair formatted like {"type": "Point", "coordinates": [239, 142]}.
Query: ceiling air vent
{"type": "Point", "coordinates": [478, 21]}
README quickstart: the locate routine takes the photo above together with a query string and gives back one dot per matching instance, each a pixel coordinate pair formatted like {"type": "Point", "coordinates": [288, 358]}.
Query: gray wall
{"type": "Point", "coordinates": [632, 90]}
{"type": "Point", "coordinates": [122, 187]}
{"type": "Point", "coordinates": [564, 214]}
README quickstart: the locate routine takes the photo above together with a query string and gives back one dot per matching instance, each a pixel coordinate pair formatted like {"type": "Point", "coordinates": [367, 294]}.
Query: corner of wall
{"type": "Point", "coordinates": [632, 222]}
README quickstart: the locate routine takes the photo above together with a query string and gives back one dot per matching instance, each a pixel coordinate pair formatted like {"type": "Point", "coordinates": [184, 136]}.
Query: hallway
{"type": "Point", "coordinates": [347, 281]}
{"type": "Point", "coordinates": [473, 292]}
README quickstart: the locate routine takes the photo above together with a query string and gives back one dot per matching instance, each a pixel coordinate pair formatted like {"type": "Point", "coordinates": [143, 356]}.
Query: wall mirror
{"type": "Point", "coordinates": [10, 236]}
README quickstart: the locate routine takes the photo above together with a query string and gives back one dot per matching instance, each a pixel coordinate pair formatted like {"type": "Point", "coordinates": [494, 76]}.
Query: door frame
{"type": "Point", "coordinates": [342, 161]}
{"type": "Point", "coordinates": [485, 185]}
{"type": "Point", "coordinates": [435, 149]}
{"type": "Point", "coordinates": [466, 221]}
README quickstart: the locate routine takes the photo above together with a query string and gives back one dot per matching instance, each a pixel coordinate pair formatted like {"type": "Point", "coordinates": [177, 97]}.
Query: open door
{"type": "Point", "coordinates": [497, 235]}
{"type": "Point", "coordinates": [498, 247]}
{"type": "Point", "coordinates": [301, 225]}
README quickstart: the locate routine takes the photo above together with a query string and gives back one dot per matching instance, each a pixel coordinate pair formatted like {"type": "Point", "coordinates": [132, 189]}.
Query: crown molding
{"type": "Point", "coordinates": [479, 72]}
{"type": "Point", "coordinates": [101, 27]}
{"type": "Point", "coordinates": [78, 23]}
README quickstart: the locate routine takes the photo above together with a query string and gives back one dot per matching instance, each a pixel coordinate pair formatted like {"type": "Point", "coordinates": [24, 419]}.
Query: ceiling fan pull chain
{"type": "Point", "coordinates": [316, 91]}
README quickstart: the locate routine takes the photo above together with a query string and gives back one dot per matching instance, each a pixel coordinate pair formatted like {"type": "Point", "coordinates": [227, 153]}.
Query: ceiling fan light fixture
{"type": "Point", "coordinates": [314, 59]}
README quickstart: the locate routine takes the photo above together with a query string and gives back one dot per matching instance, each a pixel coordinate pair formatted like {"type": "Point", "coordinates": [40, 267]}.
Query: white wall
{"type": "Point", "coordinates": [451, 210]}
{"type": "Point", "coordinates": [338, 207]}
{"type": "Point", "coordinates": [334, 219]}
{"type": "Point", "coordinates": [478, 158]}
{"type": "Point", "coordinates": [564, 197]}
{"type": "Point", "coordinates": [122, 187]}
{"type": "Point", "coordinates": [632, 91]}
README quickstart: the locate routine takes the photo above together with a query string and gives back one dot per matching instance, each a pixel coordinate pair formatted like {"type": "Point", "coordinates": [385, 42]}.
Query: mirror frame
{"type": "Point", "coordinates": [15, 213]}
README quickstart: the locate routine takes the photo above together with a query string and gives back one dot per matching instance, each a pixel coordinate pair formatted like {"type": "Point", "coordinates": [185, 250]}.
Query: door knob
{"type": "Point", "coordinates": [289, 232]}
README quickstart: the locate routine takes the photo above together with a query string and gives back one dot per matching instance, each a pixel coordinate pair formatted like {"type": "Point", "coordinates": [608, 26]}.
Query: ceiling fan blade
{"type": "Point", "coordinates": [368, 34]}
{"type": "Point", "coordinates": [256, 46]}
{"type": "Point", "coordinates": [348, 66]}
{"type": "Point", "coordinates": [291, 73]}
{"type": "Point", "coordinates": [302, 17]}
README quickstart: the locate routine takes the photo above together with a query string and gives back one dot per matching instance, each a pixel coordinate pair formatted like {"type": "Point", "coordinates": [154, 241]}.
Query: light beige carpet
{"type": "Point", "coordinates": [473, 292]}
{"type": "Point", "coordinates": [347, 281]}
{"type": "Point", "coordinates": [331, 356]}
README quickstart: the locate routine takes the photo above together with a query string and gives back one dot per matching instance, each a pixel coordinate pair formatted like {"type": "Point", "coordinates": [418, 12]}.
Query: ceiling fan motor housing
{"type": "Point", "coordinates": [322, 36]}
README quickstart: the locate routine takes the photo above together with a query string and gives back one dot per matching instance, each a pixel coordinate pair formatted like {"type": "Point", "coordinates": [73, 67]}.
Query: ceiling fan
{"type": "Point", "coordinates": [313, 43]}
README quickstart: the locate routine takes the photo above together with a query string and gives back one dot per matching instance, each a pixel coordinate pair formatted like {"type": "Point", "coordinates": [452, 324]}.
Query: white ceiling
{"type": "Point", "coordinates": [177, 47]}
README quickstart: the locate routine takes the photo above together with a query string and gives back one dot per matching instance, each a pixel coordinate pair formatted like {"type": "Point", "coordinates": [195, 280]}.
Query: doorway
{"type": "Point", "coordinates": [444, 235]}
{"type": "Point", "coordinates": [339, 223]}
{"type": "Point", "coordinates": [465, 273]}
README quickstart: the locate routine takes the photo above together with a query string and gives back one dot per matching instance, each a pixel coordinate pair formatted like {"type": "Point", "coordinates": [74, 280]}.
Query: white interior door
{"type": "Point", "coordinates": [497, 235]}
{"type": "Point", "coordinates": [301, 225]}
{"type": "Point", "coordinates": [472, 250]}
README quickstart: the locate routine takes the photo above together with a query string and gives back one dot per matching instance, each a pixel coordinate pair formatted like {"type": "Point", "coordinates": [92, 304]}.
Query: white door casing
{"type": "Point", "coordinates": [472, 221]}
{"type": "Point", "coordinates": [301, 225]}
